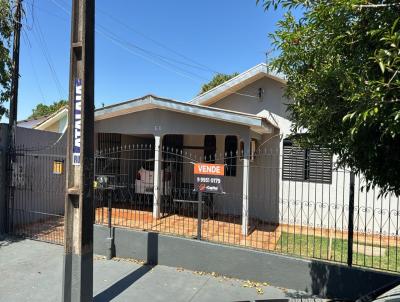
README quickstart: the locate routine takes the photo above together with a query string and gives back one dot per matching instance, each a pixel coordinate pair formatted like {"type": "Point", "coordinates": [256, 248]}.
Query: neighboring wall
{"type": "Point", "coordinates": [39, 193]}
{"type": "Point", "coordinates": [3, 175]}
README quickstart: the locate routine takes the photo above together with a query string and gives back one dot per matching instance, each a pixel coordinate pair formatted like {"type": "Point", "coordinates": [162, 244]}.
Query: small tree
{"type": "Point", "coordinates": [218, 79]}
{"type": "Point", "coordinates": [44, 110]}
{"type": "Point", "coordinates": [342, 63]}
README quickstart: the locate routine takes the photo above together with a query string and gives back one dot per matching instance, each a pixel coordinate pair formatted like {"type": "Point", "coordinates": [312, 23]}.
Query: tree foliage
{"type": "Point", "coordinates": [44, 110]}
{"type": "Point", "coordinates": [5, 58]}
{"type": "Point", "coordinates": [218, 79]}
{"type": "Point", "coordinates": [341, 59]}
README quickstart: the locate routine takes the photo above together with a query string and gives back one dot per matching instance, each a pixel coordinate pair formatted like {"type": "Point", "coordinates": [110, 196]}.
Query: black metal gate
{"type": "Point", "coordinates": [36, 193]}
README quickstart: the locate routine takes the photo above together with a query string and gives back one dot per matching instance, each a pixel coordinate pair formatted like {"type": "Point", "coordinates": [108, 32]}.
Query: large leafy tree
{"type": "Point", "coordinates": [43, 110]}
{"type": "Point", "coordinates": [5, 59]}
{"type": "Point", "coordinates": [218, 79]}
{"type": "Point", "coordinates": [341, 59]}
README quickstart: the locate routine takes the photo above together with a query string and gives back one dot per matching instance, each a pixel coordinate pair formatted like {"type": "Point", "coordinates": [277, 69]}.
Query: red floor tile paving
{"type": "Point", "coordinates": [51, 230]}
{"type": "Point", "coordinates": [223, 229]}
{"type": "Point", "coordinates": [212, 230]}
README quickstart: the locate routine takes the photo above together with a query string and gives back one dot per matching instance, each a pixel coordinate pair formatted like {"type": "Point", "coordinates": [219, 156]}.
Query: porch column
{"type": "Point", "coordinates": [245, 200]}
{"type": "Point", "coordinates": [157, 176]}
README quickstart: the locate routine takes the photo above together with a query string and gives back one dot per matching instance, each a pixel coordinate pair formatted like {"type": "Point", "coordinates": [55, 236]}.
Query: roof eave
{"type": "Point", "coordinates": [150, 102]}
{"type": "Point", "coordinates": [51, 119]}
{"type": "Point", "coordinates": [231, 86]}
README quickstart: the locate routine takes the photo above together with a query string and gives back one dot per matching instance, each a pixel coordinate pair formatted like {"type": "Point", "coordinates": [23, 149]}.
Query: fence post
{"type": "Point", "coordinates": [157, 178]}
{"type": "Point", "coordinates": [110, 239]}
{"type": "Point", "coordinates": [245, 197]}
{"type": "Point", "coordinates": [351, 221]}
{"type": "Point", "coordinates": [199, 214]}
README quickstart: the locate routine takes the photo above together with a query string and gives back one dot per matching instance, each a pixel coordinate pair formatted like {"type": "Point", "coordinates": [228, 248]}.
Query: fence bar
{"type": "Point", "coordinates": [199, 215]}
{"type": "Point", "coordinates": [110, 238]}
{"type": "Point", "coordinates": [351, 222]}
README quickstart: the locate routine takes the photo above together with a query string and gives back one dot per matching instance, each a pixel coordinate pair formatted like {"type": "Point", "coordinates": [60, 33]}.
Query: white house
{"type": "Point", "coordinates": [267, 178]}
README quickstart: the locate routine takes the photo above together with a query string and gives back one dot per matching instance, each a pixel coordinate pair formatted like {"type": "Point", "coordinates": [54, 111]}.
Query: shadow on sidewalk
{"type": "Point", "coordinates": [118, 287]}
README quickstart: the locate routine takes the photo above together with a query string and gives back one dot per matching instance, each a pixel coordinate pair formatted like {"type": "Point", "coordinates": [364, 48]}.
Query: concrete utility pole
{"type": "Point", "coordinates": [15, 72]}
{"type": "Point", "coordinates": [12, 120]}
{"type": "Point", "coordinates": [78, 234]}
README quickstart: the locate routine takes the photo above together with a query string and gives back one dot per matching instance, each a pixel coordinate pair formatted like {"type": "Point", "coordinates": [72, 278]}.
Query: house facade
{"type": "Point", "coordinates": [243, 124]}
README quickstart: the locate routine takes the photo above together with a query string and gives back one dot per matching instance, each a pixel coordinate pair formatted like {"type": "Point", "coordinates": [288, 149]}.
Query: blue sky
{"type": "Point", "coordinates": [168, 48]}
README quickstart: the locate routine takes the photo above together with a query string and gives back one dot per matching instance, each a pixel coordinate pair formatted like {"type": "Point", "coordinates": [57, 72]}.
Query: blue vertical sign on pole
{"type": "Point", "coordinates": [76, 148]}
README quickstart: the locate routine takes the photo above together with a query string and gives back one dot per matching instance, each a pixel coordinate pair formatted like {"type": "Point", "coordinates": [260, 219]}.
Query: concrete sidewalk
{"type": "Point", "coordinates": [32, 271]}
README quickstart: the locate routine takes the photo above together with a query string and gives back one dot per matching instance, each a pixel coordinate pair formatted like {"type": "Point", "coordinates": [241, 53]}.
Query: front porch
{"type": "Point", "coordinates": [148, 153]}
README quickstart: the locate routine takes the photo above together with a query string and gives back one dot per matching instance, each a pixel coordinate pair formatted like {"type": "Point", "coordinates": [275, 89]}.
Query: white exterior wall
{"type": "Point", "coordinates": [246, 99]}
{"type": "Point", "coordinates": [303, 203]}
{"type": "Point", "coordinates": [327, 205]}
{"type": "Point", "coordinates": [265, 177]}
{"type": "Point", "coordinates": [264, 180]}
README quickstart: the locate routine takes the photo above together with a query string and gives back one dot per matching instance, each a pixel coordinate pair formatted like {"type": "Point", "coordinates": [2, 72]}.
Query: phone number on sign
{"type": "Point", "coordinates": [209, 180]}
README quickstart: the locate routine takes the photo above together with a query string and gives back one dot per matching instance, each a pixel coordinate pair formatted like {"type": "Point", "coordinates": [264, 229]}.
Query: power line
{"type": "Point", "coordinates": [199, 65]}
{"type": "Point", "coordinates": [26, 40]}
{"type": "Point", "coordinates": [195, 64]}
{"type": "Point", "coordinates": [145, 54]}
{"type": "Point", "coordinates": [50, 13]}
{"type": "Point", "coordinates": [152, 57]}
{"type": "Point", "coordinates": [38, 34]}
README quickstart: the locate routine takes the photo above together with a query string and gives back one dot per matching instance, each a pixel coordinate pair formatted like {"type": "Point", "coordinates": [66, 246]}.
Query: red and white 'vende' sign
{"type": "Point", "coordinates": [209, 169]}
{"type": "Point", "coordinates": [208, 177]}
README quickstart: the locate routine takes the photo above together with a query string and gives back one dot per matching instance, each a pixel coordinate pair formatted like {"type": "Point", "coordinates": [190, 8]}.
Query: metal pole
{"type": "Point", "coordinates": [110, 239]}
{"type": "Point", "coordinates": [199, 214]}
{"type": "Point", "coordinates": [79, 214]}
{"type": "Point", "coordinates": [351, 221]}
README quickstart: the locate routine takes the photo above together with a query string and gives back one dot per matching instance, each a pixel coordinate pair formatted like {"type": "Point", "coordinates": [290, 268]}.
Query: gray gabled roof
{"type": "Point", "coordinates": [233, 85]}
{"type": "Point", "coordinates": [256, 123]}
{"type": "Point", "coordinates": [32, 122]}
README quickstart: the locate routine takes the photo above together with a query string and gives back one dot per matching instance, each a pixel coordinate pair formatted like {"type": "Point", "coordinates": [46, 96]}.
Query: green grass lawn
{"type": "Point", "coordinates": [313, 246]}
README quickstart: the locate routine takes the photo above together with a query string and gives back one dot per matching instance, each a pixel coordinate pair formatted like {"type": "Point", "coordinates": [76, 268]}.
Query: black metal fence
{"type": "Point", "coordinates": [302, 217]}
{"type": "Point", "coordinates": [36, 193]}
{"type": "Point", "coordinates": [298, 203]}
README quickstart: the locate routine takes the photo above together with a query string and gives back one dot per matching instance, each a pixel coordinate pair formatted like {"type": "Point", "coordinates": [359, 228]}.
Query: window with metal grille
{"type": "Point", "coordinates": [313, 165]}
{"type": "Point", "coordinates": [107, 141]}
{"type": "Point", "coordinates": [210, 148]}
{"type": "Point", "coordinates": [231, 145]}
